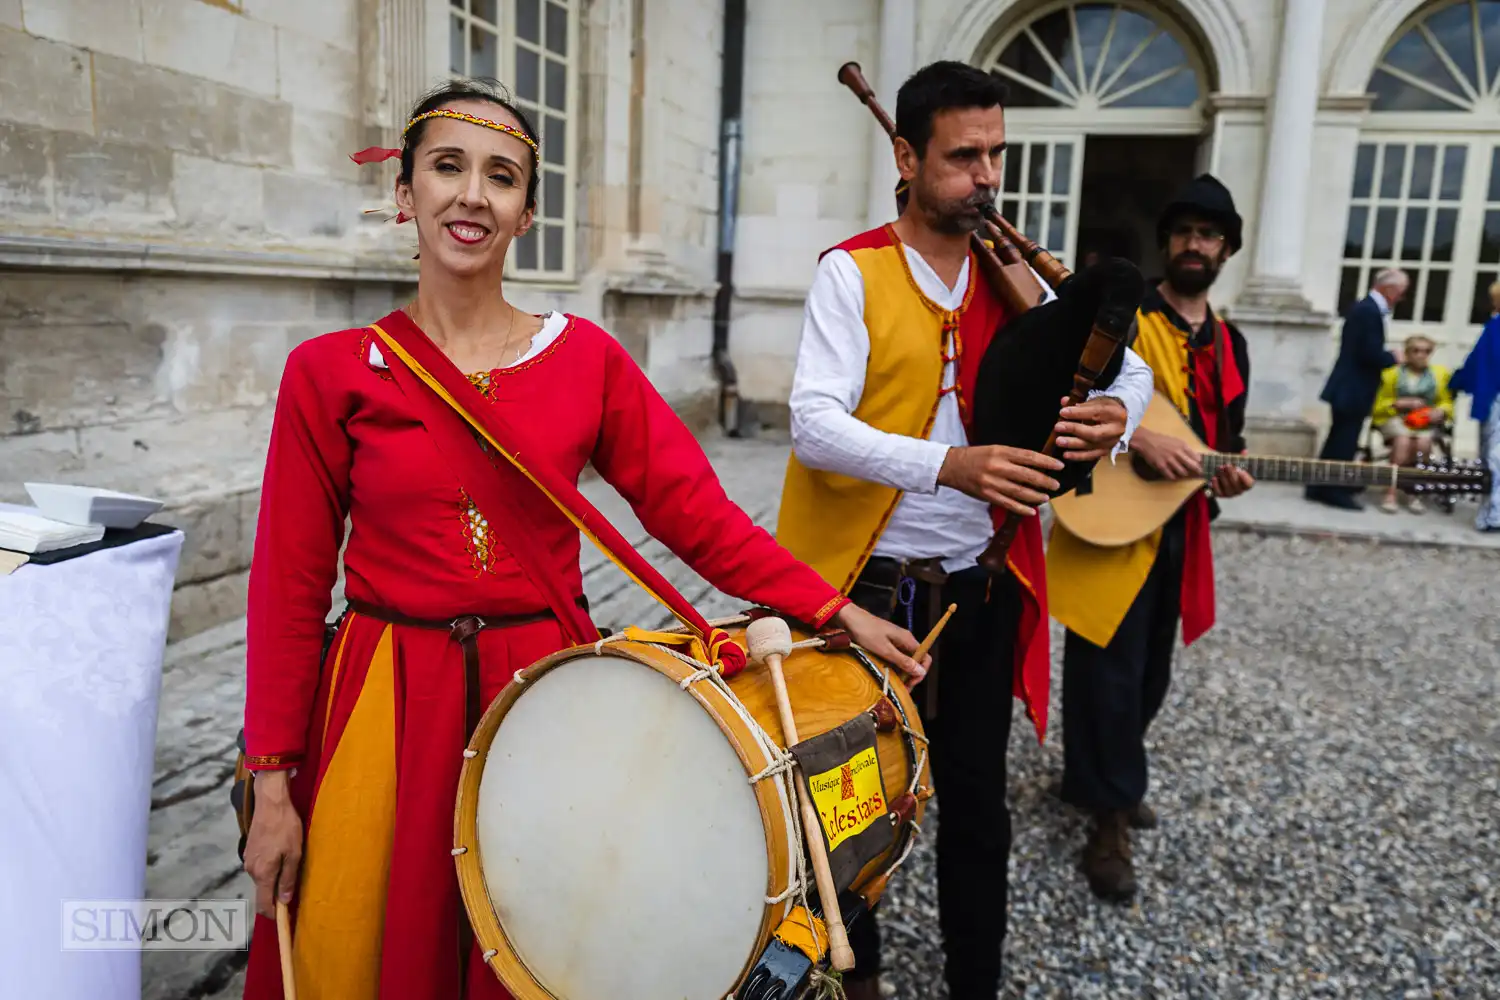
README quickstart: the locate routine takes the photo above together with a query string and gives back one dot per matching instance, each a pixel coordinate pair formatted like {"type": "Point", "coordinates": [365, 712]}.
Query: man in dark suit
{"type": "Point", "coordinates": [1355, 379]}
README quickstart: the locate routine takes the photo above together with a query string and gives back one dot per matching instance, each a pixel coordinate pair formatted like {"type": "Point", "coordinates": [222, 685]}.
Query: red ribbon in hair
{"type": "Point", "coordinates": [375, 154]}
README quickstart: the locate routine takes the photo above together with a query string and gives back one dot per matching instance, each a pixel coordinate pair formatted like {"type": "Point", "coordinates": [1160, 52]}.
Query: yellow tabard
{"type": "Point", "coordinates": [830, 521]}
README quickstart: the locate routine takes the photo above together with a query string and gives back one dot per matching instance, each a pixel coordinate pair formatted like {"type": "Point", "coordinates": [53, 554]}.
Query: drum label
{"type": "Point", "coordinates": [849, 797]}
{"type": "Point", "coordinates": [842, 771]}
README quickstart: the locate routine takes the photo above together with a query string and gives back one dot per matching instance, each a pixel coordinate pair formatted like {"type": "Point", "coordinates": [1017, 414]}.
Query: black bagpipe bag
{"type": "Point", "coordinates": [1029, 365]}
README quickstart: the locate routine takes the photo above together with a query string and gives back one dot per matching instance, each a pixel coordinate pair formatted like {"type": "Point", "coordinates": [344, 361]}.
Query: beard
{"type": "Point", "coordinates": [1190, 280]}
{"type": "Point", "coordinates": [954, 216]}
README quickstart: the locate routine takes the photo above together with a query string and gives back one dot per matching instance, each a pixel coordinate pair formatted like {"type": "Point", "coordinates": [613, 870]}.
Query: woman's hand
{"type": "Point", "coordinates": [273, 850]}
{"type": "Point", "coordinates": [884, 639]}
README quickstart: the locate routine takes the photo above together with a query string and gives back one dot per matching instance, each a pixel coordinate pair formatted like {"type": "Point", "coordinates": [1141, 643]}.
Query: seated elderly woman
{"type": "Point", "coordinates": [1413, 403]}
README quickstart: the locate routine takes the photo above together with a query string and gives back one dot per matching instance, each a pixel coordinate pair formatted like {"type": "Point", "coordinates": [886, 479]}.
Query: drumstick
{"type": "Point", "coordinates": [932, 636]}
{"type": "Point", "coordinates": [770, 639]}
{"type": "Point", "coordinates": [284, 938]}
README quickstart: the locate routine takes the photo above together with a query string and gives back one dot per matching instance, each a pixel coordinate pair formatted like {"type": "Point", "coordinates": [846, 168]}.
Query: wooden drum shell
{"type": "Point", "coordinates": [826, 690]}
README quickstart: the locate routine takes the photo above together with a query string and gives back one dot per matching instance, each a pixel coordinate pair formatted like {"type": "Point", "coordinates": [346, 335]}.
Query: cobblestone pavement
{"type": "Point", "coordinates": [1326, 767]}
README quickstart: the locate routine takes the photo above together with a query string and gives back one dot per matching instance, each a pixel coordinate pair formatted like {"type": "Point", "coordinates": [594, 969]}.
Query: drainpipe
{"type": "Point", "coordinates": [731, 102]}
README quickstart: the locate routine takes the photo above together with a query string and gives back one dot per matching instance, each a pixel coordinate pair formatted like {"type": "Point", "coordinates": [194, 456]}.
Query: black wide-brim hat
{"type": "Point", "coordinates": [1205, 196]}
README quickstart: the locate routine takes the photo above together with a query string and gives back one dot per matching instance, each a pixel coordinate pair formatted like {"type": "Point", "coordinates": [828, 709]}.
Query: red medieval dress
{"type": "Point", "coordinates": [376, 731]}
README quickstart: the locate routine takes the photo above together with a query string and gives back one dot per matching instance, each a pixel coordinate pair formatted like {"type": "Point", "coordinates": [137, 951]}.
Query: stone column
{"type": "Point", "coordinates": [1281, 229]}
{"type": "Point", "coordinates": [896, 60]}
{"type": "Point", "coordinates": [1290, 341]}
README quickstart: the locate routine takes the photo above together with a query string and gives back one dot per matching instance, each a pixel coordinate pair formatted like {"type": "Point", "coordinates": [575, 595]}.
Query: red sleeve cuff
{"type": "Point", "coordinates": [272, 762]}
{"type": "Point", "coordinates": [826, 613]}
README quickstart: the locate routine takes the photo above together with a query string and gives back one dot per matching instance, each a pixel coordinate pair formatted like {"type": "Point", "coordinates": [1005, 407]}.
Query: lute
{"type": "Point", "coordinates": [1127, 500]}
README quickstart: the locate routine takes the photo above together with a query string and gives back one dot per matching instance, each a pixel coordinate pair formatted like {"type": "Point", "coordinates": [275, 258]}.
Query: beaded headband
{"type": "Point", "coordinates": [379, 154]}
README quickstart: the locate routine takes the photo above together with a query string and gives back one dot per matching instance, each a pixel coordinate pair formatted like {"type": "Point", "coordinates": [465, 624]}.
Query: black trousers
{"type": "Point", "coordinates": [1341, 445]}
{"type": "Point", "coordinates": [1111, 695]}
{"type": "Point", "coordinates": [968, 741]}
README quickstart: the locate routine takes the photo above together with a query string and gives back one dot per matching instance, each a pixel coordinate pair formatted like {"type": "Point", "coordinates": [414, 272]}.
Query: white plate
{"type": "Point", "coordinates": [87, 505]}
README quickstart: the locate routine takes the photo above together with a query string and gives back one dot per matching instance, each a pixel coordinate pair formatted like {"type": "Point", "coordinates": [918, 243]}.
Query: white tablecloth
{"type": "Point", "coordinates": [81, 646]}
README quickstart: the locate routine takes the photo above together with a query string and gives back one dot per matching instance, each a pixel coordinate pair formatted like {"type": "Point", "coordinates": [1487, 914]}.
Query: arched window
{"type": "Point", "coordinates": [1094, 55]}
{"type": "Point", "coordinates": [1106, 110]}
{"type": "Point", "coordinates": [1449, 60]}
{"type": "Point", "coordinates": [1425, 195]}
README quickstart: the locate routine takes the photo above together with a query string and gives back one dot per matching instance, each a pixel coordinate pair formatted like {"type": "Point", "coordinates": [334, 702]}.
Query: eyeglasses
{"type": "Point", "coordinates": [1211, 235]}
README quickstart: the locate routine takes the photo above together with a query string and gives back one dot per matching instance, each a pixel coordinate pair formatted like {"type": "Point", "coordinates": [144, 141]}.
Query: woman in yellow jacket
{"type": "Point", "coordinates": [1413, 403]}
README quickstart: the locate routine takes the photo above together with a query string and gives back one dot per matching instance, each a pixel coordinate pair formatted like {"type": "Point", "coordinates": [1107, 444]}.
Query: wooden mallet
{"type": "Point", "coordinates": [284, 939]}
{"type": "Point", "coordinates": [769, 639]}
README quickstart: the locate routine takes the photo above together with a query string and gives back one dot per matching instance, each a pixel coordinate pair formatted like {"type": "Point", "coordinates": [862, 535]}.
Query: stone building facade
{"type": "Point", "coordinates": [177, 206]}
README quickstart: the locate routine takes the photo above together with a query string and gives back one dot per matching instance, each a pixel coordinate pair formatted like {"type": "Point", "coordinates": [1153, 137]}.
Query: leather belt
{"type": "Point", "coordinates": [884, 574]}
{"type": "Point", "coordinates": [463, 630]}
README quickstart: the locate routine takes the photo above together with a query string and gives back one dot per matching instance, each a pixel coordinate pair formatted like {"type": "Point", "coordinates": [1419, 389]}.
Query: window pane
{"type": "Point", "coordinates": [1036, 173]}
{"type": "Point", "coordinates": [1383, 247]}
{"type": "Point", "coordinates": [557, 29]}
{"type": "Point", "coordinates": [1162, 54]}
{"type": "Point", "coordinates": [1093, 24]}
{"type": "Point", "coordinates": [555, 135]}
{"type": "Point", "coordinates": [1021, 56]}
{"type": "Point", "coordinates": [529, 20]}
{"type": "Point", "coordinates": [1422, 161]}
{"type": "Point", "coordinates": [1453, 172]}
{"type": "Point", "coordinates": [1392, 94]}
{"type": "Point", "coordinates": [1009, 210]}
{"type": "Point", "coordinates": [1364, 170]}
{"type": "Point", "coordinates": [1495, 169]}
{"type": "Point", "coordinates": [1416, 231]}
{"type": "Point", "coordinates": [552, 259]}
{"type": "Point", "coordinates": [1013, 157]}
{"type": "Point", "coordinates": [1062, 168]}
{"type": "Point", "coordinates": [1349, 286]}
{"type": "Point", "coordinates": [1131, 29]}
{"type": "Point", "coordinates": [1405, 309]}
{"type": "Point", "coordinates": [528, 74]}
{"type": "Point", "coordinates": [1033, 218]}
{"type": "Point", "coordinates": [1436, 297]}
{"type": "Point", "coordinates": [1489, 239]}
{"type": "Point", "coordinates": [1412, 54]}
{"type": "Point", "coordinates": [1489, 30]}
{"type": "Point", "coordinates": [1179, 90]}
{"type": "Point", "coordinates": [1442, 234]}
{"type": "Point", "coordinates": [526, 251]}
{"type": "Point", "coordinates": [481, 51]}
{"type": "Point", "coordinates": [1390, 171]}
{"type": "Point", "coordinates": [483, 9]}
{"type": "Point", "coordinates": [1454, 30]}
{"type": "Point", "coordinates": [1057, 228]}
{"type": "Point", "coordinates": [557, 85]}
{"type": "Point", "coordinates": [1480, 308]}
{"type": "Point", "coordinates": [1354, 236]}
{"type": "Point", "coordinates": [554, 195]}
{"type": "Point", "coordinates": [456, 47]}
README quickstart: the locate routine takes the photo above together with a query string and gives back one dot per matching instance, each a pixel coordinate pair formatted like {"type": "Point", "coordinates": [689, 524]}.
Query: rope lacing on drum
{"type": "Point", "coordinates": [780, 764]}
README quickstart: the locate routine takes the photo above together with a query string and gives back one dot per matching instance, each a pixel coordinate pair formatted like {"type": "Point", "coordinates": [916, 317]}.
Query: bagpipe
{"type": "Point", "coordinates": [1042, 351]}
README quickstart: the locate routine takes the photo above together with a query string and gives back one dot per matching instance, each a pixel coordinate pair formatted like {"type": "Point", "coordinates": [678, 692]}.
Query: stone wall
{"type": "Point", "coordinates": [805, 175]}
{"type": "Point", "coordinates": [179, 211]}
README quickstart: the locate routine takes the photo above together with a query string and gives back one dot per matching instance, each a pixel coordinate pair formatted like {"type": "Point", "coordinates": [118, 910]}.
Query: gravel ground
{"type": "Point", "coordinates": [1326, 769]}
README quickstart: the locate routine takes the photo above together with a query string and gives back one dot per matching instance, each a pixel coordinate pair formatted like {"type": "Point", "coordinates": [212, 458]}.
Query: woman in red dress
{"type": "Point", "coordinates": [357, 756]}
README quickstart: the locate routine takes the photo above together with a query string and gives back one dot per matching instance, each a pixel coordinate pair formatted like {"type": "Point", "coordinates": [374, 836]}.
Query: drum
{"type": "Point", "coordinates": [627, 828]}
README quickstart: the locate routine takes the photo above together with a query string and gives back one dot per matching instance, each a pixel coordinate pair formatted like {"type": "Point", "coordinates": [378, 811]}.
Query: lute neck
{"type": "Point", "coordinates": [1309, 471]}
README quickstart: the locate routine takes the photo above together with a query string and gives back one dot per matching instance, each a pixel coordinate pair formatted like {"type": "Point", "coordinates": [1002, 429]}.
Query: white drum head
{"type": "Point", "coordinates": [620, 838]}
